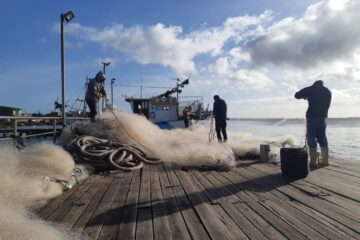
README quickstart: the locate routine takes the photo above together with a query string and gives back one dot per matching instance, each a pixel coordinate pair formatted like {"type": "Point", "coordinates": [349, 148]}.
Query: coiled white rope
{"type": "Point", "coordinates": [105, 153]}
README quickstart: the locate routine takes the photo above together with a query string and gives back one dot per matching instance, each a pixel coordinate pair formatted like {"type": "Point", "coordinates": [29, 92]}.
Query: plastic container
{"type": "Point", "coordinates": [294, 162]}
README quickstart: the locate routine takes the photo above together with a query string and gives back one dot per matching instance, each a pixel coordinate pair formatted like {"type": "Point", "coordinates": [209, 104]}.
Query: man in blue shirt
{"type": "Point", "coordinates": [220, 114]}
{"type": "Point", "coordinates": [95, 90]}
{"type": "Point", "coordinates": [319, 99]}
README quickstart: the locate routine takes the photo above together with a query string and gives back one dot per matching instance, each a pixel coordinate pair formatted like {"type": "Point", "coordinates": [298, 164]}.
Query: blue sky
{"type": "Point", "coordinates": [254, 54]}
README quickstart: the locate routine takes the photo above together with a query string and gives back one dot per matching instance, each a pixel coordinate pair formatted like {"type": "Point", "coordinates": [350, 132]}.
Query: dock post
{"type": "Point", "coordinates": [15, 128]}
{"type": "Point", "coordinates": [264, 152]}
{"type": "Point", "coordinates": [54, 135]}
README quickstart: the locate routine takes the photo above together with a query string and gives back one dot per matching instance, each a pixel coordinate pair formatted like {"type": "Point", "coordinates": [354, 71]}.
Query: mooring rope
{"type": "Point", "coordinates": [105, 153]}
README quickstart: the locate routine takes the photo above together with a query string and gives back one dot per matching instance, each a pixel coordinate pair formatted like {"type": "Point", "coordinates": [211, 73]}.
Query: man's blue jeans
{"type": "Point", "coordinates": [315, 132]}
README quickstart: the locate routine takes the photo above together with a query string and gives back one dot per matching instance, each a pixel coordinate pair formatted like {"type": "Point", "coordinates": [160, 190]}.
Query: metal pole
{"type": "Point", "coordinates": [105, 64]}
{"type": "Point", "coordinates": [102, 99]}
{"type": "Point", "coordinates": [54, 135]}
{"type": "Point", "coordinates": [62, 70]}
{"type": "Point", "coordinates": [112, 93]}
{"type": "Point", "coordinates": [86, 87]}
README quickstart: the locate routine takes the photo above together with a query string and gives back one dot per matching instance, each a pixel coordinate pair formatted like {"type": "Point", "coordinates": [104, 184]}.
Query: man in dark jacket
{"type": "Point", "coordinates": [95, 90]}
{"type": "Point", "coordinates": [319, 99]}
{"type": "Point", "coordinates": [220, 114]}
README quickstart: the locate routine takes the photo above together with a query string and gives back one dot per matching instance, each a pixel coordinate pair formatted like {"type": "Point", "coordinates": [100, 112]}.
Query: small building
{"type": "Point", "coordinates": [10, 111]}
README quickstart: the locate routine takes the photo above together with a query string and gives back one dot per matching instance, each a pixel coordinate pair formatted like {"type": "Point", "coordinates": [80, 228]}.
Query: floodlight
{"type": "Point", "coordinates": [68, 16]}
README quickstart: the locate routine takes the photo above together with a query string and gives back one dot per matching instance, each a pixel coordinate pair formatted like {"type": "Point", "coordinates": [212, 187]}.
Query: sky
{"type": "Point", "coordinates": [255, 54]}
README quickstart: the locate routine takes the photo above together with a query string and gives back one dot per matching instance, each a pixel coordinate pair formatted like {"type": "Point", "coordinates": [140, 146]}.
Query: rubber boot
{"type": "Point", "coordinates": [324, 157]}
{"type": "Point", "coordinates": [313, 157]}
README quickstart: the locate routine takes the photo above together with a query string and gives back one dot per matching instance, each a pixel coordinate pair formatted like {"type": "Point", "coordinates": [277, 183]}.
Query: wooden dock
{"type": "Point", "coordinates": [253, 201]}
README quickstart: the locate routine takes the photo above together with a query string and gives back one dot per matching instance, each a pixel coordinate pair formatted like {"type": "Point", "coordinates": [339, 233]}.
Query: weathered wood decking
{"type": "Point", "coordinates": [253, 201]}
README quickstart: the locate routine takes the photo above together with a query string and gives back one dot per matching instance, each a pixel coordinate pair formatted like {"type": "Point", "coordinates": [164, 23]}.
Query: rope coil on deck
{"type": "Point", "coordinates": [105, 153]}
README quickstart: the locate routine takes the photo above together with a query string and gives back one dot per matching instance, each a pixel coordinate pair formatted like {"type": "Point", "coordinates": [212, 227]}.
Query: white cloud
{"type": "Point", "coordinates": [253, 52]}
{"type": "Point", "coordinates": [326, 33]}
{"type": "Point", "coordinates": [168, 45]}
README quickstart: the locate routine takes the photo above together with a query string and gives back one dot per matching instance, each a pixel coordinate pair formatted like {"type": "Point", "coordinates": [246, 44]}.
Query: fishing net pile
{"type": "Point", "coordinates": [149, 144]}
{"type": "Point", "coordinates": [26, 184]}
{"type": "Point", "coordinates": [127, 141]}
{"type": "Point", "coordinates": [100, 145]}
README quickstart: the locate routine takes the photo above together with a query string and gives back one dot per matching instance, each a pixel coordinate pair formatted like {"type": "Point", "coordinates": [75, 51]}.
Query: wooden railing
{"type": "Point", "coordinates": [53, 126]}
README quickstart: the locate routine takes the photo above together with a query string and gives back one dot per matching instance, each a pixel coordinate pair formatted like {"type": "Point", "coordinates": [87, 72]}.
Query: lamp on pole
{"type": "Point", "coordinates": [112, 92]}
{"type": "Point", "coordinates": [105, 64]}
{"type": "Point", "coordinates": [63, 17]}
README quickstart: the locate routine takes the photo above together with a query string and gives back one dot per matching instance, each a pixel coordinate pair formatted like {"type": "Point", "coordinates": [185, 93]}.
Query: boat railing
{"type": "Point", "coordinates": [15, 127]}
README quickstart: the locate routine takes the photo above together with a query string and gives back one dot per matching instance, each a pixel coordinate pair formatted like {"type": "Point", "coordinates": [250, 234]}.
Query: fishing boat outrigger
{"type": "Point", "coordinates": [166, 111]}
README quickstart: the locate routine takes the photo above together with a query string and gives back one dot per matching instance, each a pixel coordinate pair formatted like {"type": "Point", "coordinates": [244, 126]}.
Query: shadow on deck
{"type": "Point", "coordinates": [252, 201]}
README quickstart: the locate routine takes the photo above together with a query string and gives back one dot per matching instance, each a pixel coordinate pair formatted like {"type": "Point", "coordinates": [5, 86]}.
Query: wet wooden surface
{"type": "Point", "coordinates": [252, 201]}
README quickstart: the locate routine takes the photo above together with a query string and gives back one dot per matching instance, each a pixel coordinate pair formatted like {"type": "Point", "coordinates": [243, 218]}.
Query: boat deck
{"type": "Point", "coordinates": [253, 201]}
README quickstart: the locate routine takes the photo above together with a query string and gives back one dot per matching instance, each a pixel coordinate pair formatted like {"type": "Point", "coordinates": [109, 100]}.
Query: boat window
{"type": "Point", "coordinates": [163, 108]}
{"type": "Point", "coordinates": [145, 105]}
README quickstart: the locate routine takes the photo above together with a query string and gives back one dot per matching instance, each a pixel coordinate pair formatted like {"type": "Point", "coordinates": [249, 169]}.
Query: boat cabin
{"type": "Point", "coordinates": [155, 109]}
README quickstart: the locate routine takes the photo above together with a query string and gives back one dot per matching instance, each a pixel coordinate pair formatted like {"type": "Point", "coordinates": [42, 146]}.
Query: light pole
{"type": "Point", "coordinates": [105, 64]}
{"type": "Point", "coordinates": [68, 17]}
{"type": "Point", "coordinates": [112, 93]}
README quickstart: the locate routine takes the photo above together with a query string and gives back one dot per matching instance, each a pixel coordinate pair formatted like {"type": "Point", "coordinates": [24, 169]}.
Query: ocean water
{"type": "Point", "coordinates": [343, 133]}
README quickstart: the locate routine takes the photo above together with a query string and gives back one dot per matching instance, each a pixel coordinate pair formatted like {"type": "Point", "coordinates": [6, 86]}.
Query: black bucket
{"type": "Point", "coordinates": [294, 162]}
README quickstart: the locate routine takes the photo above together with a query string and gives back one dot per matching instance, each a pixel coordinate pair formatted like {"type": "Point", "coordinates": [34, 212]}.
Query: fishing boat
{"type": "Point", "coordinates": [166, 111]}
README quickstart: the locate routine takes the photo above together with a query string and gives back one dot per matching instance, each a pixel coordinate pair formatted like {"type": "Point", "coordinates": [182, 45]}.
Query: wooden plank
{"type": "Point", "coordinates": [243, 223]}
{"type": "Point", "coordinates": [312, 188]}
{"type": "Point", "coordinates": [192, 220]}
{"type": "Point", "coordinates": [316, 191]}
{"type": "Point", "coordinates": [286, 206]}
{"type": "Point", "coordinates": [340, 229]}
{"type": "Point", "coordinates": [144, 227]}
{"type": "Point", "coordinates": [281, 225]}
{"type": "Point", "coordinates": [160, 220]}
{"type": "Point", "coordinates": [219, 192]}
{"type": "Point", "coordinates": [353, 214]}
{"type": "Point", "coordinates": [61, 211]}
{"type": "Point", "coordinates": [205, 186]}
{"type": "Point", "coordinates": [209, 217]}
{"type": "Point", "coordinates": [91, 207]}
{"type": "Point", "coordinates": [341, 177]}
{"type": "Point", "coordinates": [297, 220]}
{"type": "Point", "coordinates": [213, 195]}
{"type": "Point", "coordinates": [336, 228]}
{"type": "Point", "coordinates": [342, 170]}
{"type": "Point", "coordinates": [346, 164]}
{"type": "Point", "coordinates": [176, 220]}
{"type": "Point", "coordinates": [259, 222]}
{"type": "Point", "coordinates": [128, 227]}
{"type": "Point", "coordinates": [93, 227]}
{"type": "Point", "coordinates": [77, 209]}
{"type": "Point", "coordinates": [114, 217]}
{"type": "Point", "coordinates": [232, 228]}
{"type": "Point", "coordinates": [335, 185]}
{"type": "Point", "coordinates": [54, 203]}
{"type": "Point", "coordinates": [331, 210]}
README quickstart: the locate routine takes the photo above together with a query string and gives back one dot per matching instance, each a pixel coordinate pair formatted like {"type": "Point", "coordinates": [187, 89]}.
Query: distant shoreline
{"type": "Point", "coordinates": [282, 118]}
